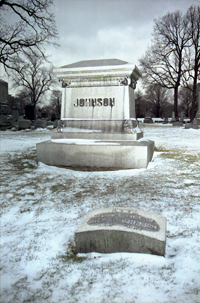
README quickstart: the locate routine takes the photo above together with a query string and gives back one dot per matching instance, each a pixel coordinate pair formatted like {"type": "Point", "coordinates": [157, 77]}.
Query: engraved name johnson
{"type": "Point", "coordinates": [95, 102]}
{"type": "Point", "coordinates": [126, 219]}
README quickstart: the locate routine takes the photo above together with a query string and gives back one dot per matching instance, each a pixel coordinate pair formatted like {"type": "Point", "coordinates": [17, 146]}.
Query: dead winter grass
{"type": "Point", "coordinates": [22, 162]}
{"type": "Point", "coordinates": [172, 191]}
{"type": "Point", "coordinates": [177, 154]}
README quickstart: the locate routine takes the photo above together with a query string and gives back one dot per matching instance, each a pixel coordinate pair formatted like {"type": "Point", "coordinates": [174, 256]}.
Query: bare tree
{"type": "Point", "coordinates": [139, 103]}
{"type": "Point", "coordinates": [164, 60]}
{"type": "Point", "coordinates": [193, 55]}
{"type": "Point", "coordinates": [56, 102]}
{"type": "Point", "coordinates": [158, 98]}
{"type": "Point", "coordinates": [22, 99]}
{"type": "Point", "coordinates": [25, 26]}
{"type": "Point", "coordinates": [33, 76]}
{"type": "Point", "coordinates": [186, 101]}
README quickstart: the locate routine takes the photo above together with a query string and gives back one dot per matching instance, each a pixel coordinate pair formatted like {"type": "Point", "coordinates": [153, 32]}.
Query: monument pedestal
{"type": "Point", "coordinates": [73, 152]}
{"type": "Point", "coordinates": [98, 126]}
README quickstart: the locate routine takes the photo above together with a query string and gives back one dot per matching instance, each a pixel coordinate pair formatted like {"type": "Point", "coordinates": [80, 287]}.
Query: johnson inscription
{"type": "Point", "coordinates": [126, 219]}
{"type": "Point", "coordinates": [95, 102]}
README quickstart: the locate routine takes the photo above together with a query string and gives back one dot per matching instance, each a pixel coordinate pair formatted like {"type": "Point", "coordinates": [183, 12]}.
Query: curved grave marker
{"type": "Point", "coordinates": [122, 230]}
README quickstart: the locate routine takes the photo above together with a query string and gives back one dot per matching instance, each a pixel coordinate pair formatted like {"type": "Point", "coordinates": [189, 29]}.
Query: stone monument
{"type": "Point", "coordinates": [166, 118]}
{"type": "Point", "coordinates": [118, 229]}
{"type": "Point", "coordinates": [98, 126]}
{"type": "Point", "coordinates": [148, 117]}
{"type": "Point", "coordinates": [15, 112]}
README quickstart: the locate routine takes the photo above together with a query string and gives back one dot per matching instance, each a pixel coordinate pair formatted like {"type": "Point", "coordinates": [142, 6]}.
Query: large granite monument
{"type": "Point", "coordinates": [119, 229]}
{"type": "Point", "coordinates": [98, 126]}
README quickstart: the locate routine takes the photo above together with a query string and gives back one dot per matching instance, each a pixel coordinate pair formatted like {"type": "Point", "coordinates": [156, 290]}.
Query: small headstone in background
{"type": "Point", "coordinates": [181, 118]}
{"type": "Point", "coordinates": [166, 118]}
{"type": "Point", "coordinates": [177, 123]}
{"type": "Point", "coordinates": [173, 117]}
{"type": "Point", "coordinates": [24, 124]}
{"type": "Point", "coordinates": [148, 117]}
{"type": "Point", "coordinates": [41, 123]}
{"type": "Point", "coordinates": [15, 112]}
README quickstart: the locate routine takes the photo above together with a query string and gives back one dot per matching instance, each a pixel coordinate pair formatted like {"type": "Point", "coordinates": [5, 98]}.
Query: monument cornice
{"type": "Point", "coordinates": [126, 74]}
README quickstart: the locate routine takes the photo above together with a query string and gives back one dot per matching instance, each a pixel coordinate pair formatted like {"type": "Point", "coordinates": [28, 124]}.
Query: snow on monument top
{"type": "Point", "coordinates": [93, 63]}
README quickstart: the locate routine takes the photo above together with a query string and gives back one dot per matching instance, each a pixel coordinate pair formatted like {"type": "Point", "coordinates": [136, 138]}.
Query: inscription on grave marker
{"type": "Point", "coordinates": [126, 219]}
{"type": "Point", "coordinates": [95, 102]}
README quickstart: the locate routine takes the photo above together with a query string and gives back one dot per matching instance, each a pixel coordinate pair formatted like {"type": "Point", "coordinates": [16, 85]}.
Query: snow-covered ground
{"type": "Point", "coordinates": [43, 206]}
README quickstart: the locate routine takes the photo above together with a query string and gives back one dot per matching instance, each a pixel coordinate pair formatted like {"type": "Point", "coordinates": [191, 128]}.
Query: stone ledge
{"type": "Point", "coordinates": [117, 154]}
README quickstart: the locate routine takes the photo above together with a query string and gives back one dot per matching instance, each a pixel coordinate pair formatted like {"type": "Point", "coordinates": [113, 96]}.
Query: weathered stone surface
{"type": "Point", "coordinates": [6, 120]}
{"type": "Point", "coordinates": [15, 114]}
{"type": "Point", "coordinates": [177, 123]}
{"type": "Point", "coordinates": [196, 121]}
{"type": "Point", "coordinates": [41, 123]}
{"type": "Point", "coordinates": [112, 230]}
{"type": "Point", "coordinates": [50, 123]}
{"type": "Point", "coordinates": [191, 125]}
{"type": "Point", "coordinates": [98, 92]}
{"type": "Point", "coordinates": [113, 154]}
{"type": "Point", "coordinates": [148, 120]}
{"type": "Point", "coordinates": [24, 124]}
{"type": "Point", "coordinates": [148, 117]}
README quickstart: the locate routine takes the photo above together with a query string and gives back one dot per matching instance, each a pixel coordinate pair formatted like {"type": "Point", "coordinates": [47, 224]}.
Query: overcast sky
{"type": "Point", "coordinates": [104, 29]}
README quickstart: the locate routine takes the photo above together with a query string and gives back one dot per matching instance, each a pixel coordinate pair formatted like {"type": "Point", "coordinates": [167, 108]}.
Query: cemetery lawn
{"type": "Point", "coordinates": [42, 207]}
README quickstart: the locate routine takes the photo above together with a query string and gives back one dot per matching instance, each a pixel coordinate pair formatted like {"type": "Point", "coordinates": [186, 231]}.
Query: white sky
{"type": "Point", "coordinates": [103, 29]}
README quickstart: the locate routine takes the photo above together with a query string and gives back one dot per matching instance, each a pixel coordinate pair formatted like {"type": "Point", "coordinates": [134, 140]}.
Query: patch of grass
{"type": "Point", "coordinates": [3, 128]}
{"type": "Point", "coordinates": [23, 161]}
{"type": "Point", "coordinates": [71, 255]}
{"type": "Point", "coordinates": [72, 258]}
{"type": "Point", "coordinates": [178, 155]}
{"type": "Point", "coordinates": [161, 149]}
{"type": "Point", "coordinates": [61, 186]}
{"type": "Point", "coordinates": [189, 158]}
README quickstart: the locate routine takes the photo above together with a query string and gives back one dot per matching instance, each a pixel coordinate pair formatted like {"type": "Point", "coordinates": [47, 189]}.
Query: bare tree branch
{"type": "Point", "coordinates": [33, 27]}
{"type": "Point", "coordinates": [163, 61]}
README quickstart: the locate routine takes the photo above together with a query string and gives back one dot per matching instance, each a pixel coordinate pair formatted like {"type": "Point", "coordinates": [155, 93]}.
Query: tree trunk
{"type": "Point", "coordinates": [34, 101]}
{"type": "Point", "coordinates": [176, 102]}
{"type": "Point", "coordinates": [195, 93]}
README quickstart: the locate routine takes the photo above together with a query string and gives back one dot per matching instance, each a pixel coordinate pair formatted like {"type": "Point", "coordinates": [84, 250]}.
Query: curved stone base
{"type": "Point", "coordinates": [122, 154]}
